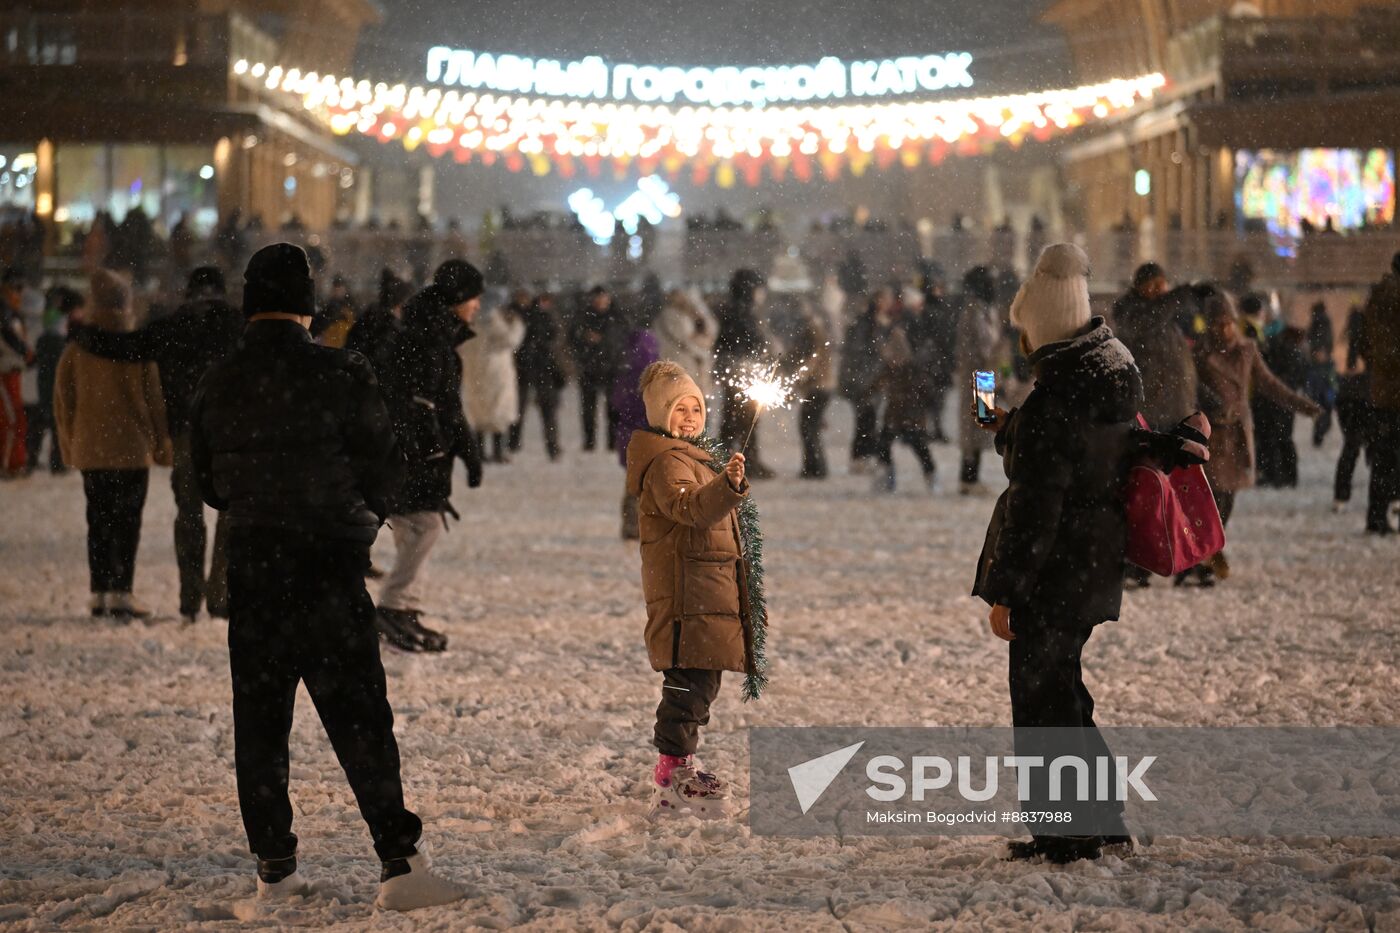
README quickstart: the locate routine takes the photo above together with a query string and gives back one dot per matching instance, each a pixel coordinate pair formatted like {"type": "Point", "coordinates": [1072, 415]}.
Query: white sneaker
{"type": "Point", "coordinates": [418, 888]}
{"type": "Point", "coordinates": [692, 793]}
{"type": "Point", "coordinates": [294, 885]}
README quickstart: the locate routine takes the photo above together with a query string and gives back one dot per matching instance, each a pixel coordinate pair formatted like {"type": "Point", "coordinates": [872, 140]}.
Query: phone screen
{"type": "Point", "coordinates": [984, 389]}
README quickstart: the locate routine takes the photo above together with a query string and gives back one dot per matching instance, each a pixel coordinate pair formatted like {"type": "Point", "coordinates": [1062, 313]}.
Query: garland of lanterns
{"type": "Point", "coordinates": [711, 143]}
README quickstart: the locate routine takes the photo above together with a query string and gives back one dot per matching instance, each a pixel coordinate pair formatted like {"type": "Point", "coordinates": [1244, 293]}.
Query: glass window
{"type": "Point", "coordinates": [136, 181]}
{"type": "Point", "coordinates": [80, 184]}
{"type": "Point", "coordinates": [191, 189]}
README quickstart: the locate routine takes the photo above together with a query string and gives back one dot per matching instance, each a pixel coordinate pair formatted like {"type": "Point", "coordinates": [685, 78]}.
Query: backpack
{"type": "Point", "coordinates": [1173, 522]}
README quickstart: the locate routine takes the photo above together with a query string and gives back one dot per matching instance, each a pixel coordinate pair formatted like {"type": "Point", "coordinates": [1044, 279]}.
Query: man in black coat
{"type": "Point", "coordinates": [292, 442]}
{"type": "Point", "coordinates": [423, 388]}
{"type": "Point", "coordinates": [596, 339]}
{"type": "Point", "coordinates": [537, 370]}
{"type": "Point", "coordinates": [1051, 567]}
{"type": "Point", "coordinates": [203, 330]}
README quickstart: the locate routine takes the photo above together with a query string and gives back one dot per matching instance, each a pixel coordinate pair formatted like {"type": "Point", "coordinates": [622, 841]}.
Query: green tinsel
{"type": "Point", "coordinates": [752, 538]}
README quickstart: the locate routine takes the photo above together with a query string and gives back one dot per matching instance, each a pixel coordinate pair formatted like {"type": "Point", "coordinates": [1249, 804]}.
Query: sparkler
{"type": "Point", "coordinates": [766, 387]}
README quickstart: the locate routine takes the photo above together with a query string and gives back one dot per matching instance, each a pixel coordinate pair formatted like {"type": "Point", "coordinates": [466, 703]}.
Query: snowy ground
{"type": "Point", "coordinates": [526, 747]}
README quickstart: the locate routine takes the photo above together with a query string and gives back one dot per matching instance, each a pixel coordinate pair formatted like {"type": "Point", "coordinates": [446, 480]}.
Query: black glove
{"type": "Point", "coordinates": [1185, 445]}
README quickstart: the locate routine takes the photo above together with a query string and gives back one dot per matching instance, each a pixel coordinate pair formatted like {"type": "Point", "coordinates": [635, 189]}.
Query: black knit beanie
{"type": "Point", "coordinates": [458, 280]}
{"type": "Point", "coordinates": [278, 281]}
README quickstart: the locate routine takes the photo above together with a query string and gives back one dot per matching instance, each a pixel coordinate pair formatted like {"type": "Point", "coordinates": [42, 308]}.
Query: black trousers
{"type": "Point", "coordinates": [590, 386]}
{"type": "Point", "coordinates": [546, 399]}
{"type": "Point", "coordinates": [1224, 504]}
{"type": "Point", "coordinates": [971, 468]}
{"type": "Point", "coordinates": [811, 419]}
{"type": "Point", "coordinates": [299, 613]}
{"type": "Point", "coordinates": [686, 696]}
{"type": "Point", "coordinates": [191, 537]}
{"type": "Point", "coordinates": [1385, 466]}
{"type": "Point", "coordinates": [115, 499]}
{"type": "Point", "coordinates": [40, 422]}
{"type": "Point", "coordinates": [1353, 416]}
{"type": "Point", "coordinates": [1052, 715]}
{"type": "Point", "coordinates": [917, 441]}
{"type": "Point", "coordinates": [865, 442]}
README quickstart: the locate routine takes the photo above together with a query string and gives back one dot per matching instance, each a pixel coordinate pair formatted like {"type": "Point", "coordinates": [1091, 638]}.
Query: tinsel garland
{"type": "Point", "coordinates": [751, 535]}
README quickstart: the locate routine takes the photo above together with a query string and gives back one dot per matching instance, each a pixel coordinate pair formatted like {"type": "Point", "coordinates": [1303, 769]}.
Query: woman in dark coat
{"type": "Point", "coordinates": [1051, 568]}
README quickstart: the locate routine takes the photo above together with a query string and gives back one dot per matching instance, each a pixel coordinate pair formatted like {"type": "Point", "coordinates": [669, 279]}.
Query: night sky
{"type": "Point", "coordinates": [1013, 50]}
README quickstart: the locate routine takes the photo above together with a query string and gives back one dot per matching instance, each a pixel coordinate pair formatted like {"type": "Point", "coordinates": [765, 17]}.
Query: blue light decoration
{"type": "Point", "coordinates": [653, 200]}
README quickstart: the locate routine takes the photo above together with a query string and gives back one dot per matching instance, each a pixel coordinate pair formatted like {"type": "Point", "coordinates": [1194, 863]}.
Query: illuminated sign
{"type": "Point", "coordinates": [754, 86]}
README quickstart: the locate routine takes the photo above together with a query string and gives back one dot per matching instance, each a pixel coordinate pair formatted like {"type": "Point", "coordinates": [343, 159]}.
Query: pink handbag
{"type": "Point", "coordinates": [1173, 523]}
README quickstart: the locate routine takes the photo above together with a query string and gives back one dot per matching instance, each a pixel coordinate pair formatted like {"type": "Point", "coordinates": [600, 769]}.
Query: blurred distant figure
{"type": "Point", "coordinates": [1148, 321]}
{"type": "Point", "coordinates": [112, 425]}
{"type": "Point", "coordinates": [60, 303]}
{"type": "Point", "coordinates": [540, 372]}
{"type": "Point", "coordinates": [489, 387]}
{"type": "Point", "coordinates": [596, 340]}
{"type": "Point", "coordinates": [1380, 348]}
{"type": "Point", "coordinates": [15, 356]}
{"type": "Point", "coordinates": [983, 344]}
{"type": "Point", "coordinates": [1353, 410]}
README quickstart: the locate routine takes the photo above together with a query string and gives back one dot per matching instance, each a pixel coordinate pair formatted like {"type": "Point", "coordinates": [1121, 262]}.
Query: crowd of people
{"type": "Point", "coordinates": [306, 450]}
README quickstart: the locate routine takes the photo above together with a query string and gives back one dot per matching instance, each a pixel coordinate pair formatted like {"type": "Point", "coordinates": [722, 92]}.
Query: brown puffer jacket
{"type": "Point", "coordinates": [109, 415]}
{"type": "Point", "coordinates": [693, 576]}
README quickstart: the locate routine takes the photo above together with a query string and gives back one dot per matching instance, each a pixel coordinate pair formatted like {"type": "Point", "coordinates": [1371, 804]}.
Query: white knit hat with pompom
{"type": "Point", "coordinates": [1053, 304]}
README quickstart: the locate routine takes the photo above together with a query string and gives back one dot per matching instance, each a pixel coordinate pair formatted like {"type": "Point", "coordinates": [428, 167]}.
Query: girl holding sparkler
{"type": "Point", "coordinates": [701, 577]}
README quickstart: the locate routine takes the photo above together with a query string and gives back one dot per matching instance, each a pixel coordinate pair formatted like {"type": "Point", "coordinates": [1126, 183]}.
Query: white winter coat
{"type": "Point", "coordinates": [681, 338]}
{"type": "Point", "coordinates": [488, 371]}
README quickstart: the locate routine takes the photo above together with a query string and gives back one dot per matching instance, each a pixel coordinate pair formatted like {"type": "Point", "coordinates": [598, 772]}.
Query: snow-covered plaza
{"type": "Point", "coordinates": [526, 746]}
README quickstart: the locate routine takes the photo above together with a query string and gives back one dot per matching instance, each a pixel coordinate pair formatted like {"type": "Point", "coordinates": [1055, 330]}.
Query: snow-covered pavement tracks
{"type": "Point", "coordinates": [526, 746]}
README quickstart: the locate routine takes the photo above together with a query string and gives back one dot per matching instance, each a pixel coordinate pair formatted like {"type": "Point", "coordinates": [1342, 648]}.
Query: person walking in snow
{"type": "Point", "coordinates": [204, 329]}
{"type": "Point", "coordinates": [540, 367]}
{"type": "Point", "coordinates": [702, 618]}
{"type": "Point", "coordinates": [1232, 371]}
{"type": "Point", "coordinates": [1051, 565]}
{"type": "Point", "coordinates": [643, 349]}
{"type": "Point", "coordinates": [423, 388]}
{"type": "Point", "coordinates": [111, 425]}
{"type": "Point", "coordinates": [489, 383]}
{"type": "Point", "coordinates": [982, 343]}
{"type": "Point", "coordinates": [293, 441]}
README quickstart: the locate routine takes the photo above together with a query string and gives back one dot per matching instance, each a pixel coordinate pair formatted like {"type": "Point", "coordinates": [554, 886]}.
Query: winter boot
{"type": "Point", "coordinates": [431, 639]}
{"type": "Point", "coordinates": [681, 789]}
{"type": "Point", "coordinates": [1219, 566]}
{"type": "Point", "coordinates": [409, 883]}
{"type": "Point", "coordinates": [278, 879]}
{"type": "Point", "coordinates": [400, 628]}
{"type": "Point", "coordinates": [122, 607]}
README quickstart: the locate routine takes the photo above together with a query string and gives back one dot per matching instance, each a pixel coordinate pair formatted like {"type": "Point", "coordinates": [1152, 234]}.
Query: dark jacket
{"type": "Point", "coordinates": [1379, 345]}
{"type": "Point", "coordinates": [423, 386]}
{"type": "Point", "coordinates": [1058, 534]}
{"type": "Point", "coordinates": [292, 436]}
{"type": "Point", "coordinates": [597, 339]}
{"type": "Point", "coordinates": [374, 336]}
{"type": "Point", "coordinates": [740, 336]}
{"type": "Point", "coordinates": [1151, 330]}
{"type": "Point", "coordinates": [183, 346]}
{"type": "Point", "coordinates": [47, 351]}
{"type": "Point", "coordinates": [536, 359]}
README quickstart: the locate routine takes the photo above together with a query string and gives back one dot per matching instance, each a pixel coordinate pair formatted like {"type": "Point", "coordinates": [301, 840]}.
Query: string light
{"type": "Point", "coordinates": [552, 133]}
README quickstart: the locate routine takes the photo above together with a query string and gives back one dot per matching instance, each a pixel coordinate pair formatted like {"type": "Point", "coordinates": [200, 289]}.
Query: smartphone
{"type": "Point", "coordinates": [984, 390]}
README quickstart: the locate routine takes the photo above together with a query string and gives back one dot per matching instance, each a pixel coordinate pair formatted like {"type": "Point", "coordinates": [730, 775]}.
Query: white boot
{"type": "Point", "coordinates": [689, 792]}
{"type": "Point", "coordinates": [294, 885]}
{"type": "Point", "coordinates": [418, 888]}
